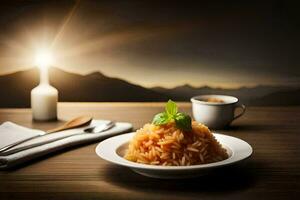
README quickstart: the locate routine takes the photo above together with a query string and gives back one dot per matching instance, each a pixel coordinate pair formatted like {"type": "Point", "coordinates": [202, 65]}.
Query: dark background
{"type": "Point", "coordinates": [156, 49]}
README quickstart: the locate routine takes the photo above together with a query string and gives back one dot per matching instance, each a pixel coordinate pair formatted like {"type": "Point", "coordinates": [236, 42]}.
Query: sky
{"type": "Point", "coordinates": [157, 43]}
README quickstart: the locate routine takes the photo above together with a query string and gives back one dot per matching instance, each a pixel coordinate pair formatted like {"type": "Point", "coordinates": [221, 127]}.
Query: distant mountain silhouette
{"type": "Point", "coordinates": [259, 95]}
{"type": "Point", "coordinates": [16, 88]}
{"type": "Point", "coordinates": [96, 87]}
{"type": "Point", "coordinates": [282, 98]}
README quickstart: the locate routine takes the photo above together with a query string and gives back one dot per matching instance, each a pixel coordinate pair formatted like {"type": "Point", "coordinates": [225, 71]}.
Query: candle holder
{"type": "Point", "coordinates": [44, 97]}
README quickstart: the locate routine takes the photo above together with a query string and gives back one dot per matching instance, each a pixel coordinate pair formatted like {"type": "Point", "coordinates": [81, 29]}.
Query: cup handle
{"type": "Point", "coordinates": [243, 107]}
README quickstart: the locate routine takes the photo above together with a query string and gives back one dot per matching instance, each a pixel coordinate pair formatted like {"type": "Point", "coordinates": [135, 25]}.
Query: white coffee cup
{"type": "Point", "coordinates": [216, 115]}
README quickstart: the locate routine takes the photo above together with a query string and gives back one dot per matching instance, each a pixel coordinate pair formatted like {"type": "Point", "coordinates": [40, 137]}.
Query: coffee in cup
{"type": "Point", "coordinates": [216, 111]}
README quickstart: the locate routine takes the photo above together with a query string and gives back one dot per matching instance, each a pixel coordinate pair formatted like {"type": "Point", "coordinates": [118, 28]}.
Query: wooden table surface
{"type": "Point", "coordinates": [273, 172]}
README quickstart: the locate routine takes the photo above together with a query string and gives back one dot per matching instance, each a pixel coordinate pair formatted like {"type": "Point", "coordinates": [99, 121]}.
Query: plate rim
{"type": "Point", "coordinates": [118, 160]}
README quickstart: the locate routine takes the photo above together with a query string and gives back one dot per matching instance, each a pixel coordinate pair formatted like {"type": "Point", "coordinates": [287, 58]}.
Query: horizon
{"type": "Point", "coordinates": [101, 88]}
{"type": "Point", "coordinates": [157, 86]}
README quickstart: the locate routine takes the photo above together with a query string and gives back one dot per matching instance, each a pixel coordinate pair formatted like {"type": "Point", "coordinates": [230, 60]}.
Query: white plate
{"type": "Point", "coordinates": [113, 149]}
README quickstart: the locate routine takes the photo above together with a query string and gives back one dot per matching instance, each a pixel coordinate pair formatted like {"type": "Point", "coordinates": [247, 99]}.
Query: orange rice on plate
{"type": "Point", "coordinates": [168, 145]}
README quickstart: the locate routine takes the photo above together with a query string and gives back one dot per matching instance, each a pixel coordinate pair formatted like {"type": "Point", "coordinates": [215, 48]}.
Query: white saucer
{"type": "Point", "coordinates": [113, 149]}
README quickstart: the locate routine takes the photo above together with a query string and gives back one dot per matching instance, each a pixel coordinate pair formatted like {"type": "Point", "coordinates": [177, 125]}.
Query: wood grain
{"type": "Point", "coordinates": [273, 172]}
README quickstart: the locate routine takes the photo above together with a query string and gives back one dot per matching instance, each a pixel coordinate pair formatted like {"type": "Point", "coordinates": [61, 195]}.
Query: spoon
{"type": "Point", "coordinates": [73, 123]}
{"type": "Point", "coordinates": [100, 128]}
{"type": "Point", "coordinates": [89, 130]}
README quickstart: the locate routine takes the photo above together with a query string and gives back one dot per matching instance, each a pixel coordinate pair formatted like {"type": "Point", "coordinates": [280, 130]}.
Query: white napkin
{"type": "Point", "coordinates": [11, 133]}
{"type": "Point", "coordinates": [47, 143]}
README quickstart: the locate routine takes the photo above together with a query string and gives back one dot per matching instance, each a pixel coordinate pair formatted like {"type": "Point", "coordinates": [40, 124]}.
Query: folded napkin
{"type": "Point", "coordinates": [47, 143]}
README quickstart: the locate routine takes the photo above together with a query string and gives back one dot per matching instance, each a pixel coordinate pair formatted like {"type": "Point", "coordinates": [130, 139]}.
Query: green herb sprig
{"type": "Point", "coordinates": [182, 120]}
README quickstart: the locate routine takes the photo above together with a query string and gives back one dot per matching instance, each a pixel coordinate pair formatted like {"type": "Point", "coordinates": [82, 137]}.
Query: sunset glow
{"type": "Point", "coordinates": [196, 45]}
{"type": "Point", "coordinates": [43, 59]}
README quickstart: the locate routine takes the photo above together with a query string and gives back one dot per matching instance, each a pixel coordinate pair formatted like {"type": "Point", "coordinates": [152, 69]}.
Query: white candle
{"type": "Point", "coordinates": [44, 97]}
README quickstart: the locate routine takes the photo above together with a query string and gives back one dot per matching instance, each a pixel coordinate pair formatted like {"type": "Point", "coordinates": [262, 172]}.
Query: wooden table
{"type": "Point", "coordinates": [273, 172]}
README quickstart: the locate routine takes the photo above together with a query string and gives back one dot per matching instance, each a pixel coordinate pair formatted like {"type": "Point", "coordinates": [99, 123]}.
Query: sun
{"type": "Point", "coordinates": [43, 58]}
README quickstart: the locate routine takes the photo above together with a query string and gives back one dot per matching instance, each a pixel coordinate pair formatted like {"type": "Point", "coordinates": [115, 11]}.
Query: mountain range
{"type": "Point", "coordinates": [96, 87]}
